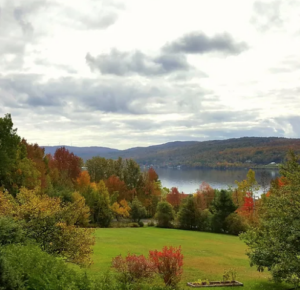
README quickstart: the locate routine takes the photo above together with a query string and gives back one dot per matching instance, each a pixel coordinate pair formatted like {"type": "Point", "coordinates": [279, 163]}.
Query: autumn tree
{"type": "Point", "coordinates": [83, 180]}
{"type": "Point", "coordinates": [65, 166]}
{"type": "Point", "coordinates": [116, 186]}
{"type": "Point", "coordinates": [245, 187]}
{"type": "Point", "coordinates": [175, 198]}
{"type": "Point", "coordinates": [47, 222]}
{"type": "Point", "coordinates": [121, 209]}
{"type": "Point", "coordinates": [205, 195]}
{"type": "Point", "coordinates": [149, 190]}
{"type": "Point", "coordinates": [37, 155]}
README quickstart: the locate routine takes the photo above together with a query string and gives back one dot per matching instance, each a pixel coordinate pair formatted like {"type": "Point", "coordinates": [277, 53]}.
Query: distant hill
{"type": "Point", "coordinates": [238, 152]}
{"type": "Point", "coordinates": [83, 152]}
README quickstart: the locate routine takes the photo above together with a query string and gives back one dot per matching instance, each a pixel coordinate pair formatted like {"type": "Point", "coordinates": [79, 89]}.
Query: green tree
{"type": "Point", "coordinates": [11, 232]}
{"type": "Point", "coordinates": [9, 146]}
{"type": "Point", "coordinates": [138, 211]}
{"type": "Point", "coordinates": [164, 214]}
{"type": "Point", "coordinates": [189, 215]}
{"type": "Point", "coordinates": [222, 207]}
{"type": "Point", "coordinates": [274, 245]}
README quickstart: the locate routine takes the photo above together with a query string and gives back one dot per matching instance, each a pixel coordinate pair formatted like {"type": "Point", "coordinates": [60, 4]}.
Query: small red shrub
{"type": "Point", "coordinates": [169, 264]}
{"type": "Point", "coordinates": [134, 267]}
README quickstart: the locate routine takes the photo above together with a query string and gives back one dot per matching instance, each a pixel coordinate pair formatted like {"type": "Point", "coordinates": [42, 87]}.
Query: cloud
{"type": "Point", "coordinates": [275, 15]}
{"type": "Point", "coordinates": [110, 95]}
{"type": "Point", "coordinates": [199, 43]}
{"type": "Point", "coordinates": [129, 63]}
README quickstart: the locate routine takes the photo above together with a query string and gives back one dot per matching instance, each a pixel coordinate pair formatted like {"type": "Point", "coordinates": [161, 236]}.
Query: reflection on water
{"type": "Point", "coordinates": [188, 180]}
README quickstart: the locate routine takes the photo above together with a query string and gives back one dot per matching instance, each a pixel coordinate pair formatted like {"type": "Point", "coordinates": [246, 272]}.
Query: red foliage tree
{"type": "Point", "coordinates": [67, 164]}
{"type": "Point", "coordinates": [152, 175]}
{"type": "Point", "coordinates": [175, 198]}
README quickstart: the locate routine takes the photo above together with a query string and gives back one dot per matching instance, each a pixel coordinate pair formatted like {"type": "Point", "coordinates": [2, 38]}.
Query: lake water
{"type": "Point", "coordinates": [188, 180]}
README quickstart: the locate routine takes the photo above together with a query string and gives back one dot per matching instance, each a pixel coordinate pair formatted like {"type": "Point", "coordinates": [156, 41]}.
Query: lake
{"type": "Point", "coordinates": [188, 180]}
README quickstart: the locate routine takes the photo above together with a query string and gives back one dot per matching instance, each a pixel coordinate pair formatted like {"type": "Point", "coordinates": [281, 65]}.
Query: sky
{"type": "Point", "coordinates": [122, 74]}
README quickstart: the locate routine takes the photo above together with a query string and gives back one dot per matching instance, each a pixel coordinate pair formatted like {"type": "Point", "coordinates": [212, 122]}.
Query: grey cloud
{"type": "Point", "coordinates": [128, 63]}
{"type": "Point", "coordinates": [16, 31]}
{"type": "Point", "coordinates": [287, 123]}
{"type": "Point", "coordinates": [26, 25]}
{"type": "Point", "coordinates": [199, 43]}
{"type": "Point", "coordinates": [120, 96]}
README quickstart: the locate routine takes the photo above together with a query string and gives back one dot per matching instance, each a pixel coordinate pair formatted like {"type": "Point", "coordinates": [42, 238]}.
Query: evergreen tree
{"type": "Point", "coordinates": [221, 208]}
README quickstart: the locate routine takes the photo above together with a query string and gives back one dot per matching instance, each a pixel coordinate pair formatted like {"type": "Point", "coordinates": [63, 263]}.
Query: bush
{"type": "Point", "coordinates": [133, 268]}
{"type": "Point", "coordinates": [137, 211]}
{"type": "Point", "coordinates": [164, 214]}
{"type": "Point", "coordinates": [134, 225]}
{"type": "Point", "coordinates": [169, 264]}
{"type": "Point", "coordinates": [151, 224]}
{"type": "Point", "coordinates": [11, 232]}
{"type": "Point", "coordinates": [141, 224]}
{"type": "Point", "coordinates": [28, 267]}
{"type": "Point", "coordinates": [236, 224]}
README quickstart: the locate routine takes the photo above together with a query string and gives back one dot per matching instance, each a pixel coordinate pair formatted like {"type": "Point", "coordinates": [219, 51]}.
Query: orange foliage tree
{"type": "Point", "coordinates": [175, 198]}
{"type": "Point", "coordinates": [204, 196]}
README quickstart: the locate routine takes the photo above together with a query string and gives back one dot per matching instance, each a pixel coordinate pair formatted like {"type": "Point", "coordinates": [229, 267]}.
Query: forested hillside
{"type": "Point", "coordinates": [241, 152]}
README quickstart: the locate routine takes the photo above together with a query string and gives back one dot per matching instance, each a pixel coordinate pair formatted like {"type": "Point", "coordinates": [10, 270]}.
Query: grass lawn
{"type": "Point", "coordinates": [206, 255]}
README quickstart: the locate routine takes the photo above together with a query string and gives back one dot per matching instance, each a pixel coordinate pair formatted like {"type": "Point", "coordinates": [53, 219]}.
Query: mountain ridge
{"type": "Point", "coordinates": [234, 152]}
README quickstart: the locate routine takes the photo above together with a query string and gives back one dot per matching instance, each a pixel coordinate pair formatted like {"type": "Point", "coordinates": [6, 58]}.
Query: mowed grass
{"type": "Point", "coordinates": [206, 255]}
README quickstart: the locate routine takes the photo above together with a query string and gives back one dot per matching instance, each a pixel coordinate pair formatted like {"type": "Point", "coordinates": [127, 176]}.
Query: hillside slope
{"type": "Point", "coordinates": [239, 152]}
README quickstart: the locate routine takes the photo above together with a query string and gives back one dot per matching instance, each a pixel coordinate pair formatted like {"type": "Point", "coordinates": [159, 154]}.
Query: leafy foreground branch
{"type": "Point", "coordinates": [275, 244]}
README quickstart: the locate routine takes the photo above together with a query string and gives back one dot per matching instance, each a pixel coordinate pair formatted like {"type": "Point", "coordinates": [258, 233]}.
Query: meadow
{"type": "Point", "coordinates": [206, 255]}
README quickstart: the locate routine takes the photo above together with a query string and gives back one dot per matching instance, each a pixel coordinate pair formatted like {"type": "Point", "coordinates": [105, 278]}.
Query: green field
{"type": "Point", "coordinates": [206, 255]}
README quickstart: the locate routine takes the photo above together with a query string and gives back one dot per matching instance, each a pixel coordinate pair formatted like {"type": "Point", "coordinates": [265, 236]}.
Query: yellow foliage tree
{"type": "Point", "coordinates": [49, 224]}
{"type": "Point", "coordinates": [121, 209]}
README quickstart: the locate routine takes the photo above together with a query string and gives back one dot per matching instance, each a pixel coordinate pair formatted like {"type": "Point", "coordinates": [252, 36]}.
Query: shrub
{"type": "Point", "coordinates": [141, 224]}
{"type": "Point", "coordinates": [133, 268]}
{"type": "Point", "coordinates": [134, 225]}
{"type": "Point", "coordinates": [151, 224]}
{"type": "Point", "coordinates": [164, 214]}
{"type": "Point", "coordinates": [28, 267]}
{"type": "Point", "coordinates": [169, 264]}
{"type": "Point", "coordinates": [11, 231]}
{"type": "Point", "coordinates": [138, 211]}
{"type": "Point", "coordinates": [236, 224]}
